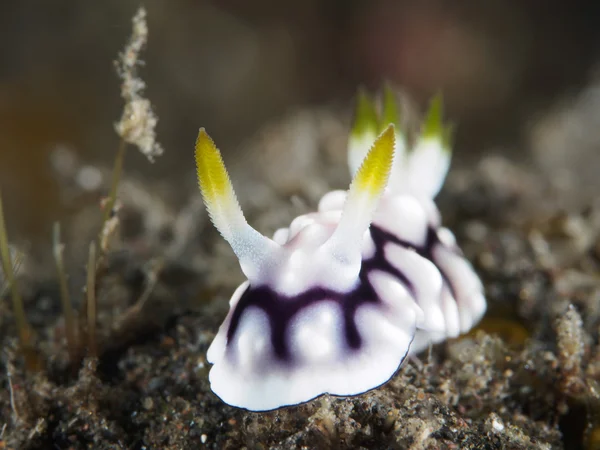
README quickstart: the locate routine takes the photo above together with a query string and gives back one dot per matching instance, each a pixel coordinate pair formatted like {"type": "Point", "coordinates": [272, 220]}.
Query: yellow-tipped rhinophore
{"type": "Point", "coordinates": [371, 117]}
{"type": "Point", "coordinates": [390, 113]}
{"type": "Point", "coordinates": [253, 249]}
{"type": "Point", "coordinates": [434, 127]}
{"type": "Point", "coordinates": [365, 121]}
{"type": "Point", "coordinates": [365, 126]}
{"type": "Point", "coordinates": [366, 189]}
{"type": "Point", "coordinates": [428, 162]}
{"type": "Point", "coordinates": [215, 185]}
{"type": "Point", "coordinates": [372, 176]}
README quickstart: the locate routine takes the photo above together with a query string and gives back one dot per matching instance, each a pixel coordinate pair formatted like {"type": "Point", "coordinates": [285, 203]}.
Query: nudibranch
{"type": "Point", "coordinates": [335, 303]}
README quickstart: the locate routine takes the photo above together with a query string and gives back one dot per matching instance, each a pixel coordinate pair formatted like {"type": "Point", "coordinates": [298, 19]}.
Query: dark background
{"type": "Point", "coordinates": [234, 65]}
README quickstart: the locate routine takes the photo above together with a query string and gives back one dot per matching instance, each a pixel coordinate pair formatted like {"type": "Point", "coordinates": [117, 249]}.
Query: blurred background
{"type": "Point", "coordinates": [519, 77]}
